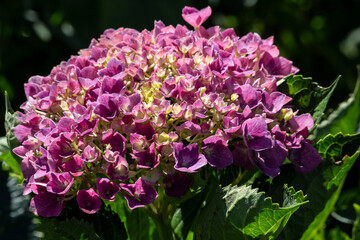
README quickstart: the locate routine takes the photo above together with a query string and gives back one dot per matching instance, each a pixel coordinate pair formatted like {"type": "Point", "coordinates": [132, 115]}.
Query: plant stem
{"type": "Point", "coordinates": [164, 228]}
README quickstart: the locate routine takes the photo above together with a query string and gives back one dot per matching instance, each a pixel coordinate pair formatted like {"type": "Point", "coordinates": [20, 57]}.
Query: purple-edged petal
{"type": "Point", "coordinates": [47, 204]}
{"type": "Point", "coordinates": [188, 129]}
{"type": "Point", "coordinates": [75, 166]}
{"type": "Point", "coordinates": [306, 158]}
{"type": "Point", "coordinates": [88, 201]}
{"type": "Point", "coordinates": [116, 141]}
{"type": "Point", "coordinates": [61, 148]}
{"type": "Point", "coordinates": [177, 184]}
{"type": "Point", "coordinates": [216, 152]}
{"type": "Point", "coordinates": [138, 142]}
{"type": "Point", "coordinates": [113, 68]}
{"type": "Point", "coordinates": [139, 194]}
{"type": "Point", "coordinates": [148, 158]}
{"type": "Point", "coordinates": [59, 183]}
{"type": "Point", "coordinates": [107, 108]}
{"type": "Point", "coordinates": [107, 189]}
{"type": "Point", "coordinates": [90, 154]}
{"type": "Point", "coordinates": [119, 169]}
{"type": "Point", "coordinates": [188, 159]}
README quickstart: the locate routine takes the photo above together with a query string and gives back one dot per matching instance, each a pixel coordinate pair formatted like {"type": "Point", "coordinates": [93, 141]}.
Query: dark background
{"type": "Point", "coordinates": [321, 37]}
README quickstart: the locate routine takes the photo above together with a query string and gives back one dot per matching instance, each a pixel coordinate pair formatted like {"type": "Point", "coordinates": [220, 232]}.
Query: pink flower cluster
{"type": "Point", "coordinates": [140, 111]}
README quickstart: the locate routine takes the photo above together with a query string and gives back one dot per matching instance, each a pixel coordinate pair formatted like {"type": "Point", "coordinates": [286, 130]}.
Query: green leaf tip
{"type": "Point", "coordinates": [345, 118]}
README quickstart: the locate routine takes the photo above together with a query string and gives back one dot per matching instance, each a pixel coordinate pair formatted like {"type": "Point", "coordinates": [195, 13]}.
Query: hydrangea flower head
{"type": "Point", "coordinates": [148, 110]}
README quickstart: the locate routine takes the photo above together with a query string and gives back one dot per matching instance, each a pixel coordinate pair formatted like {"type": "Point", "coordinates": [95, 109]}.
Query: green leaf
{"type": "Point", "coordinates": [54, 229]}
{"type": "Point", "coordinates": [321, 217]}
{"type": "Point", "coordinates": [307, 96]}
{"type": "Point", "coordinates": [335, 175]}
{"type": "Point", "coordinates": [345, 118]}
{"type": "Point", "coordinates": [3, 145]}
{"type": "Point", "coordinates": [322, 186]}
{"type": "Point", "coordinates": [137, 222]}
{"type": "Point", "coordinates": [356, 227]}
{"type": "Point", "coordinates": [185, 214]}
{"type": "Point", "coordinates": [325, 95]}
{"type": "Point", "coordinates": [10, 122]}
{"type": "Point", "coordinates": [12, 165]}
{"type": "Point", "coordinates": [244, 213]}
{"type": "Point", "coordinates": [337, 234]}
{"type": "Point", "coordinates": [274, 219]}
{"type": "Point", "coordinates": [105, 224]}
{"type": "Point", "coordinates": [336, 146]}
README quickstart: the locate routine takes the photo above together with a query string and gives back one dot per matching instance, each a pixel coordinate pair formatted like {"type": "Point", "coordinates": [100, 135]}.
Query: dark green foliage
{"type": "Point", "coordinates": [346, 118]}
{"type": "Point", "coordinates": [244, 213]}
{"type": "Point", "coordinates": [10, 122]}
{"type": "Point", "coordinates": [75, 224]}
{"type": "Point", "coordinates": [307, 96]}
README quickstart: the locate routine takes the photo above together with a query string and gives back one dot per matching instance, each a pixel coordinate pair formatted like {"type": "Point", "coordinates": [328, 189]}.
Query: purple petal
{"type": "Point", "coordinates": [113, 68]}
{"type": "Point", "coordinates": [107, 189]}
{"type": "Point", "coordinates": [111, 85]}
{"type": "Point", "coordinates": [275, 101]}
{"type": "Point", "coordinates": [88, 201]}
{"type": "Point", "coordinates": [119, 169]}
{"type": "Point", "coordinates": [75, 166]}
{"type": "Point", "coordinates": [241, 156]}
{"type": "Point", "coordinates": [59, 183]}
{"type": "Point", "coordinates": [139, 193]}
{"type": "Point", "coordinates": [256, 135]}
{"type": "Point", "coordinates": [299, 123]}
{"type": "Point", "coordinates": [188, 159]}
{"type": "Point", "coordinates": [177, 184]}
{"type": "Point", "coordinates": [148, 159]}
{"type": "Point", "coordinates": [216, 152]}
{"type": "Point", "coordinates": [270, 160]}
{"type": "Point", "coordinates": [194, 17]}
{"type": "Point", "coordinates": [305, 158]}
{"type": "Point", "coordinates": [47, 204]}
